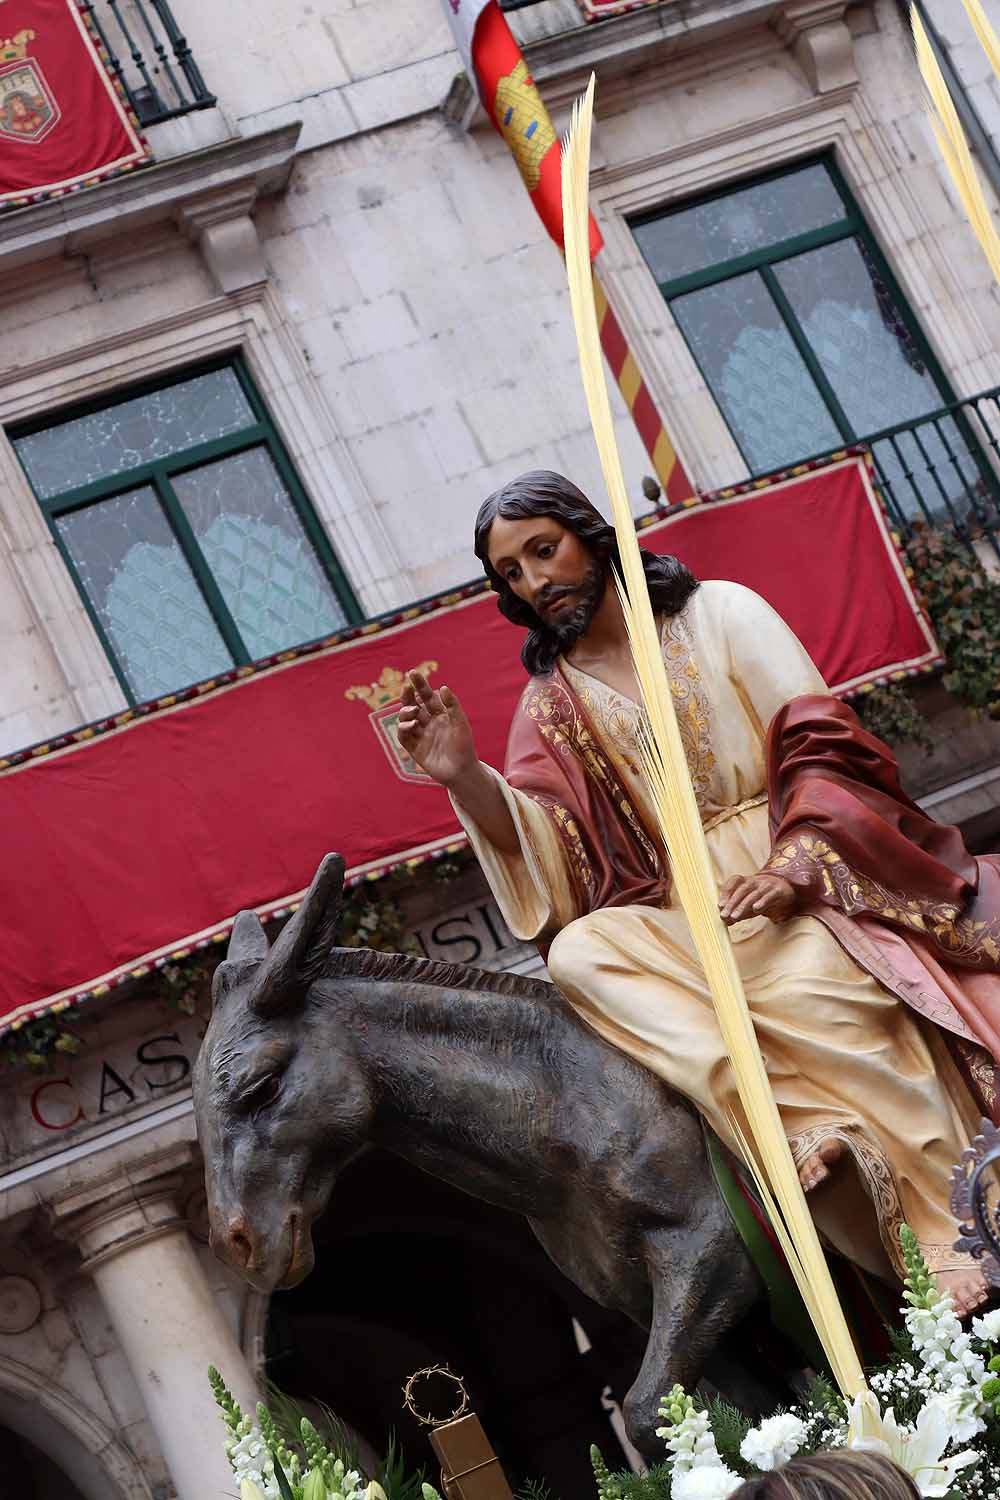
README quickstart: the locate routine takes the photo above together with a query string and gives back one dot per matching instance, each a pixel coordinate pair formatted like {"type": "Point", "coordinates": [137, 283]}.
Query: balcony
{"type": "Point", "coordinates": [149, 56]}
{"type": "Point", "coordinates": [944, 468]}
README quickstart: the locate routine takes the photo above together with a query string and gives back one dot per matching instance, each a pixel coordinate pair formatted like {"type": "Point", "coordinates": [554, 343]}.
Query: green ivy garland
{"type": "Point", "coordinates": [38, 1042]}
{"type": "Point", "coordinates": [372, 917]}
{"type": "Point", "coordinates": [963, 603]}
{"type": "Point", "coordinates": [891, 714]}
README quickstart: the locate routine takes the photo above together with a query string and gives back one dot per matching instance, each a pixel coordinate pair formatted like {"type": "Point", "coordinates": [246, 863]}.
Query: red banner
{"type": "Point", "coordinates": [64, 121]}
{"type": "Point", "coordinates": [128, 843]}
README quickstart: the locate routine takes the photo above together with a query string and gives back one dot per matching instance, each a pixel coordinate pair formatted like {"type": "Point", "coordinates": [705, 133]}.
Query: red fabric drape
{"type": "Point", "coordinates": [64, 123]}
{"type": "Point", "coordinates": [901, 893]}
{"type": "Point", "coordinates": [614, 859]}
{"type": "Point", "coordinates": [142, 837]}
{"type": "Point", "coordinates": [826, 773]}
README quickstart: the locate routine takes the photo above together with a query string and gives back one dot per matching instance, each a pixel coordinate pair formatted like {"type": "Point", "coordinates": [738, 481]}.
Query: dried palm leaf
{"type": "Point", "coordinates": [951, 136]}
{"type": "Point", "coordinates": [679, 820]}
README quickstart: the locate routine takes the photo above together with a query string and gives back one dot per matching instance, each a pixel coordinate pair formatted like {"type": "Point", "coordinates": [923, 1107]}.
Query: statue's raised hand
{"type": "Point", "coordinates": [432, 727]}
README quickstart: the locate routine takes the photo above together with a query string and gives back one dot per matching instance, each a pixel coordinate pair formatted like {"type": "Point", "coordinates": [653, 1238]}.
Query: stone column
{"type": "Point", "coordinates": [136, 1246]}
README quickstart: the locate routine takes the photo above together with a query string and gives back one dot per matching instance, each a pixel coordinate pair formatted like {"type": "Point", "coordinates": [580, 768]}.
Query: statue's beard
{"type": "Point", "coordinates": [573, 624]}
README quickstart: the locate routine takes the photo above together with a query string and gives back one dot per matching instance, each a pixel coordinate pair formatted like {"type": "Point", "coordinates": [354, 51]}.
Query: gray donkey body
{"type": "Point", "coordinates": [487, 1081]}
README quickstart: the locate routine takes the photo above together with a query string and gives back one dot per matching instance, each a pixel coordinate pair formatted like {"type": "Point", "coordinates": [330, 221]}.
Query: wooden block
{"type": "Point", "coordinates": [470, 1470]}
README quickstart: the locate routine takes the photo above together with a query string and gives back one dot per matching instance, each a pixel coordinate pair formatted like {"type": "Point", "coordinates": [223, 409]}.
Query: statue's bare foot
{"type": "Point", "coordinates": [816, 1168]}
{"type": "Point", "coordinates": [967, 1287]}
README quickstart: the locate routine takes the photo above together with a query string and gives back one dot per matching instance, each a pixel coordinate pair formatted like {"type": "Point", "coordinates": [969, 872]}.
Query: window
{"type": "Point", "coordinates": [802, 335]}
{"type": "Point", "coordinates": [182, 522]}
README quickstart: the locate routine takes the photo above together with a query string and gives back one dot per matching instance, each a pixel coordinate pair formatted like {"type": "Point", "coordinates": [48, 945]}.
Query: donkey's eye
{"type": "Point", "coordinates": [263, 1092]}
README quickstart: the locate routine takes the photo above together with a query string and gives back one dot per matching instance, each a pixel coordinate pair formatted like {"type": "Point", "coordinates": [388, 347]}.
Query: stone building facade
{"type": "Point", "coordinates": [343, 223]}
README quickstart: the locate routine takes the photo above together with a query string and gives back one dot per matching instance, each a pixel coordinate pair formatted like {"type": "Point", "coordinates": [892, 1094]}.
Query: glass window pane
{"type": "Point", "coordinates": [145, 595]}
{"type": "Point", "coordinates": [263, 562]}
{"type": "Point", "coordinates": [133, 432]}
{"type": "Point", "coordinates": [755, 373]}
{"type": "Point", "coordinates": [854, 328]}
{"type": "Point", "coordinates": [752, 218]}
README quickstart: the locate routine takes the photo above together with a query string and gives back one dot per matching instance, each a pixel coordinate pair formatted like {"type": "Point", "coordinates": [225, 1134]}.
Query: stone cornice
{"type": "Point", "coordinates": [623, 45]}
{"type": "Point", "coordinates": [677, 35]}
{"type": "Point", "coordinates": [234, 173]}
{"type": "Point", "coordinates": [604, 176]}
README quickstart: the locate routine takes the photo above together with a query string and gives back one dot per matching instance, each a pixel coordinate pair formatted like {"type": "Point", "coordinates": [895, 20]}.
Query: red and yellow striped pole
{"type": "Point", "coordinates": [495, 64]}
{"type": "Point", "coordinates": [669, 470]}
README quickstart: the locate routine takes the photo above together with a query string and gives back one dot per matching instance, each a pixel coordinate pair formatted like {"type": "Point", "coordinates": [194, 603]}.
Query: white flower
{"type": "Point", "coordinates": [962, 1410]}
{"type": "Point", "coordinates": [918, 1451]}
{"type": "Point", "coordinates": [988, 1326]}
{"type": "Point", "coordinates": [708, 1482]}
{"type": "Point", "coordinates": [691, 1443]}
{"type": "Point", "coordinates": [943, 1347]}
{"type": "Point", "coordinates": [252, 1462]}
{"type": "Point", "coordinates": [774, 1442]}
{"type": "Point", "coordinates": [696, 1468]}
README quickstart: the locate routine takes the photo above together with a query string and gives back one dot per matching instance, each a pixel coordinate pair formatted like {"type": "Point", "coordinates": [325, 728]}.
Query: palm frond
{"type": "Point", "coordinates": [678, 817]}
{"type": "Point", "coordinates": [983, 28]}
{"type": "Point", "coordinates": [951, 137]}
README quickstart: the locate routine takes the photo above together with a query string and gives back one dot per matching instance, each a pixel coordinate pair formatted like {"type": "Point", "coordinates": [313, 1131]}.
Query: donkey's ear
{"type": "Point", "coordinates": [247, 949]}
{"type": "Point", "coordinates": [248, 939]}
{"type": "Point", "coordinates": [303, 947]}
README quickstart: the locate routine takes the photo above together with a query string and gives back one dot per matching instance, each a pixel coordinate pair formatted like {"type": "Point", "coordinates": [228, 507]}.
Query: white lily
{"type": "Point", "coordinates": [249, 1491]}
{"type": "Point", "coordinates": [919, 1450]}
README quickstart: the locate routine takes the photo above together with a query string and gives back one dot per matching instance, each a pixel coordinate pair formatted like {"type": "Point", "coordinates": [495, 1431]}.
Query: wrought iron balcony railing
{"type": "Point", "coordinates": [150, 57]}
{"type": "Point", "coordinates": [944, 468]}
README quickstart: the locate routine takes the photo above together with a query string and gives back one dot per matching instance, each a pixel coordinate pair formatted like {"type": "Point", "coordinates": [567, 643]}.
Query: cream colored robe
{"type": "Point", "coordinates": [846, 1059]}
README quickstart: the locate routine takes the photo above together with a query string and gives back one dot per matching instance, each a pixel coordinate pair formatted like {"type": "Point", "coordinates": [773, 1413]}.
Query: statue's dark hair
{"type": "Point", "coordinates": [544, 493]}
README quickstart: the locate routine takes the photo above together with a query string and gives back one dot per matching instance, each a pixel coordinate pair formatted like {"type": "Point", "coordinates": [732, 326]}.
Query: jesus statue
{"type": "Point", "coordinates": [867, 936]}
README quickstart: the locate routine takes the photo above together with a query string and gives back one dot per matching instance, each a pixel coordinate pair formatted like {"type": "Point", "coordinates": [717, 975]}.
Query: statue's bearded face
{"type": "Point", "coordinates": [552, 571]}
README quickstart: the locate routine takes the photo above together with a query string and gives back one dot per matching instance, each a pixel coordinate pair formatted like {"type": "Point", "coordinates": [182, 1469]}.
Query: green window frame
{"type": "Point", "coordinates": [763, 261]}
{"type": "Point", "coordinates": [162, 477]}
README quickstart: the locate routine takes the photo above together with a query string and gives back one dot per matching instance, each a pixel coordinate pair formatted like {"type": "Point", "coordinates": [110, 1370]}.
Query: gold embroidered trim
{"type": "Point", "coordinates": [812, 859]}
{"type": "Point", "coordinates": [694, 712]}
{"type": "Point", "coordinates": [562, 727]}
{"type": "Point", "coordinates": [580, 868]}
{"type": "Point", "coordinates": [874, 1171]}
{"type": "Point", "coordinates": [946, 1258]}
{"type": "Point", "coordinates": [982, 1074]}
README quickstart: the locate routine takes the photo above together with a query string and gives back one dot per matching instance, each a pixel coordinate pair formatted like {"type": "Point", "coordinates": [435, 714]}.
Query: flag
{"type": "Point", "coordinates": [64, 121]}
{"type": "Point", "coordinates": [495, 65]}
{"type": "Point", "coordinates": [494, 62]}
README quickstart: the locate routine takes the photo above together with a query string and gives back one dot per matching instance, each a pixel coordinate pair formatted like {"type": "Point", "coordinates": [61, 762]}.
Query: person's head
{"type": "Point", "coordinates": [547, 552]}
{"type": "Point", "coordinates": [840, 1475]}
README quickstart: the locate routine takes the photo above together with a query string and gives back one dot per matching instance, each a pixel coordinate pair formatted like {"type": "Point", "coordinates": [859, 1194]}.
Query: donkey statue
{"type": "Point", "coordinates": [487, 1081]}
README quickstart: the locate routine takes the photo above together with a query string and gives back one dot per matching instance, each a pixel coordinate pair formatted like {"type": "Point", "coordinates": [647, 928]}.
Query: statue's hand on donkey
{"type": "Point", "coordinates": [487, 1081]}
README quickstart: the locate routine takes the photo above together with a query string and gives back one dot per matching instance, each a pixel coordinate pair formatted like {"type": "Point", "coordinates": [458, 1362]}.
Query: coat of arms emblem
{"type": "Point", "coordinates": [383, 698]}
{"type": "Point", "coordinates": [28, 109]}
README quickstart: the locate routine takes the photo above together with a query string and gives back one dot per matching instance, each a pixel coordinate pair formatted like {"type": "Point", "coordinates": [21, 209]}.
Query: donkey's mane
{"type": "Point", "coordinates": [366, 963]}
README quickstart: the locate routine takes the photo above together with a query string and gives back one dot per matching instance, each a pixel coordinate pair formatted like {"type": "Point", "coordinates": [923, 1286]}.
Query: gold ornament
{"type": "Point", "coordinates": [388, 687]}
